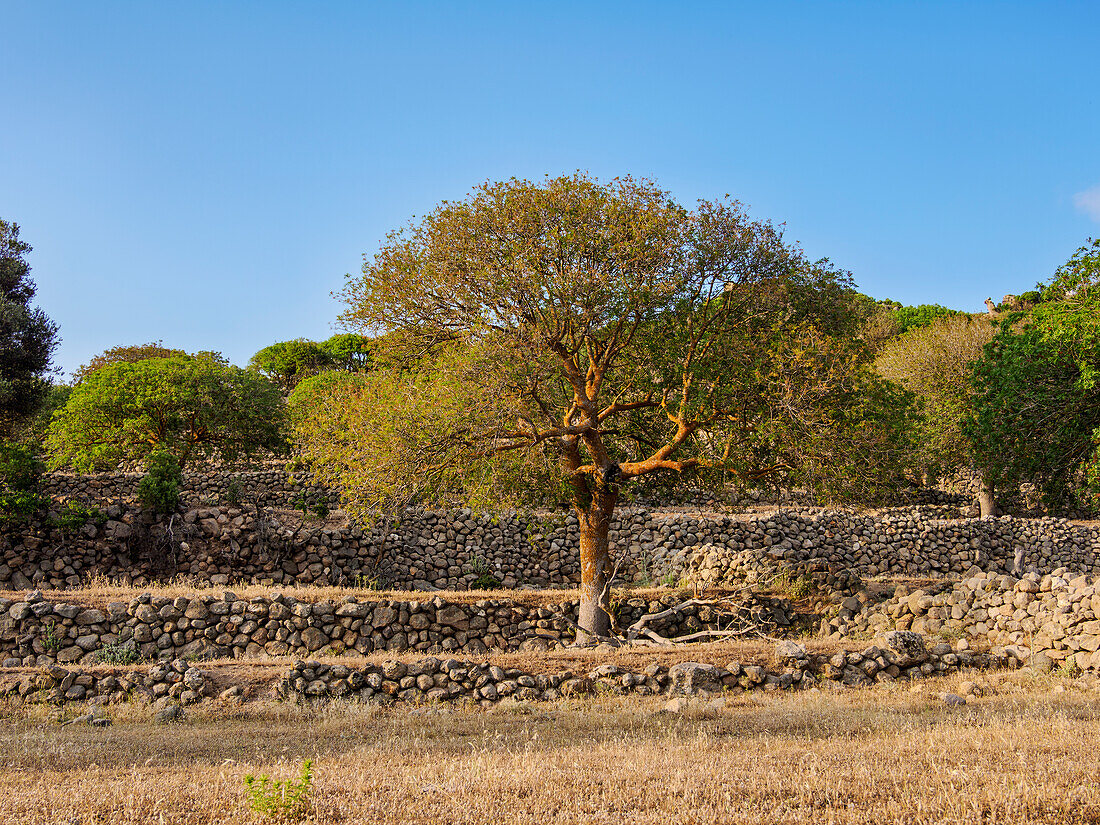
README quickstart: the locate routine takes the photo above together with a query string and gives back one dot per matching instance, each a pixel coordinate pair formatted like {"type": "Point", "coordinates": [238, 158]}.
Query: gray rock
{"type": "Point", "coordinates": [687, 678]}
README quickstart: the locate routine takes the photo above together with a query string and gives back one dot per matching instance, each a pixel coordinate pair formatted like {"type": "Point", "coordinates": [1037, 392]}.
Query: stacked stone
{"type": "Point", "coordinates": [54, 684]}
{"type": "Point", "coordinates": [34, 631]}
{"type": "Point", "coordinates": [1054, 618]}
{"type": "Point", "coordinates": [455, 550]}
{"type": "Point", "coordinates": [897, 655]}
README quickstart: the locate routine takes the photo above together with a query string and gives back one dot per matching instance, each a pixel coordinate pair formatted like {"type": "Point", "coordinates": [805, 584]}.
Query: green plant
{"type": "Point", "coordinates": [1067, 670]}
{"type": "Point", "coordinates": [118, 653]}
{"type": "Point", "coordinates": [160, 488]}
{"type": "Point", "coordinates": [286, 800]}
{"type": "Point", "coordinates": [669, 579]}
{"type": "Point", "coordinates": [485, 580]}
{"type": "Point", "coordinates": [233, 493]}
{"type": "Point", "coordinates": [20, 479]}
{"type": "Point", "coordinates": [51, 639]}
{"type": "Point", "coordinates": [73, 514]}
{"type": "Point", "coordinates": [370, 582]}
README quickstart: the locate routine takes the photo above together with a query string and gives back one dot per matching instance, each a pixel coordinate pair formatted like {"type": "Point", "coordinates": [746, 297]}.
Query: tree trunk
{"type": "Point", "coordinates": [986, 503]}
{"type": "Point", "coordinates": [595, 520]}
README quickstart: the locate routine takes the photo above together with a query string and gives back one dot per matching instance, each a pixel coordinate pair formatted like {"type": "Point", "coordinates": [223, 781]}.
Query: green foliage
{"type": "Point", "coordinates": [935, 362]}
{"type": "Point", "coordinates": [559, 340]}
{"type": "Point", "coordinates": [75, 514]}
{"type": "Point", "coordinates": [191, 406]}
{"type": "Point", "coordinates": [349, 351]}
{"type": "Point", "coordinates": [118, 653]}
{"type": "Point", "coordinates": [160, 487]}
{"type": "Point", "coordinates": [129, 354]}
{"type": "Point", "coordinates": [27, 336]}
{"type": "Point", "coordinates": [234, 494]}
{"type": "Point", "coordinates": [311, 506]}
{"type": "Point", "coordinates": [285, 800]}
{"type": "Point", "coordinates": [918, 317]}
{"type": "Point", "coordinates": [485, 579]}
{"type": "Point", "coordinates": [51, 639]}
{"type": "Point", "coordinates": [20, 481]}
{"type": "Point", "coordinates": [1037, 406]}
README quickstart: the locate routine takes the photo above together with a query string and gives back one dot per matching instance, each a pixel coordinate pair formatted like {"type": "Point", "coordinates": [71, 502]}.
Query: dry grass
{"type": "Point", "coordinates": [870, 756]}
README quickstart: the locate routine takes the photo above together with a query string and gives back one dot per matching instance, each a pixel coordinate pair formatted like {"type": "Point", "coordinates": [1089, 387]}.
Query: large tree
{"type": "Point", "coordinates": [130, 353]}
{"type": "Point", "coordinates": [188, 406]}
{"type": "Point", "coordinates": [1036, 411]}
{"type": "Point", "coordinates": [571, 337]}
{"type": "Point", "coordinates": [27, 336]}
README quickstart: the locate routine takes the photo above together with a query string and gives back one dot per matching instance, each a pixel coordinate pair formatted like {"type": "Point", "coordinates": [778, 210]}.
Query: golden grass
{"type": "Point", "coordinates": [1022, 755]}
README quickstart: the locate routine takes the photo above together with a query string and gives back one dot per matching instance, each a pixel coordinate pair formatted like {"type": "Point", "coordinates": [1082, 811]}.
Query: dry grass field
{"type": "Point", "coordinates": [1023, 753]}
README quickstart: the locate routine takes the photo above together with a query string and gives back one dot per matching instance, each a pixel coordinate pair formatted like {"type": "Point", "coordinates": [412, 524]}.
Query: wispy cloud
{"type": "Point", "coordinates": [1089, 202]}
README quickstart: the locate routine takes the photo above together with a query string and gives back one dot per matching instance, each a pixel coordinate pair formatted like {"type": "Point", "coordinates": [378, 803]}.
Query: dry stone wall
{"type": "Point", "coordinates": [453, 550]}
{"type": "Point", "coordinates": [1049, 620]}
{"type": "Point", "coordinates": [38, 632]}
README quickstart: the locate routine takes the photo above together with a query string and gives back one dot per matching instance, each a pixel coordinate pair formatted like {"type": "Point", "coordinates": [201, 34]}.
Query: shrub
{"type": "Point", "coordinates": [233, 493]}
{"type": "Point", "coordinates": [160, 489]}
{"type": "Point", "coordinates": [73, 514]}
{"type": "Point", "coordinates": [118, 653]}
{"type": "Point", "coordinates": [286, 800]}
{"type": "Point", "coordinates": [485, 580]}
{"type": "Point", "coordinates": [20, 478]}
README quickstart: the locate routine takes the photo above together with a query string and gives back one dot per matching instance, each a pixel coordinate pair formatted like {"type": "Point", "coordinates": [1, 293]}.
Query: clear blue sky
{"type": "Point", "coordinates": [206, 173]}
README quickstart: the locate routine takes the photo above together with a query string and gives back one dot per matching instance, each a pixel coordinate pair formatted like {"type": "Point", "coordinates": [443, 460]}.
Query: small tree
{"type": "Point", "coordinates": [27, 336]}
{"type": "Point", "coordinates": [188, 406]}
{"type": "Point", "coordinates": [569, 338]}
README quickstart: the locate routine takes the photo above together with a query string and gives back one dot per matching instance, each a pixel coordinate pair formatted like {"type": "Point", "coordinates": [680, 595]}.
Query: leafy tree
{"type": "Point", "coordinates": [571, 337]}
{"type": "Point", "coordinates": [188, 406]}
{"type": "Point", "coordinates": [918, 317]}
{"type": "Point", "coordinates": [130, 354]}
{"type": "Point", "coordinates": [1037, 408]}
{"type": "Point", "coordinates": [20, 482]}
{"type": "Point", "coordinates": [288, 362]}
{"type": "Point", "coordinates": [935, 362]}
{"type": "Point", "coordinates": [27, 336]}
{"type": "Point", "coordinates": [349, 351]}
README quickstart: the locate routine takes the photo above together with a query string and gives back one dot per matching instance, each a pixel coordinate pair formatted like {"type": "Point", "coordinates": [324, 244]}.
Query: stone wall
{"type": "Point", "coordinates": [37, 632]}
{"type": "Point", "coordinates": [224, 545]}
{"type": "Point", "coordinates": [1051, 620]}
{"type": "Point", "coordinates": [170, 686]}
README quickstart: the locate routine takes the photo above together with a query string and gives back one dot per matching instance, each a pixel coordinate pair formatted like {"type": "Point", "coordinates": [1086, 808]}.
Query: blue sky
{"type": "Point", "coordinates": [206, 173]}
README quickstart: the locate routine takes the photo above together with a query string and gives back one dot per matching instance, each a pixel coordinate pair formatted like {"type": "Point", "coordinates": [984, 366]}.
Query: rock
{"type": "Point", "coordinates": [953, 699]}
{"type": "Point", "coordinates": [168, 714]}
{"type": "Point", "coordinates": [1040, 662]}
{"type": "Point", "coordinates": [789, 651]}
{"type": "Point", "coordinates": [906, 646]}
{"type": "Point", "coordinates": [693, 677]}
{"type": "Point", "coordinates": [674, 706]}
{"type": "Point", "coordinates": [314, 639]}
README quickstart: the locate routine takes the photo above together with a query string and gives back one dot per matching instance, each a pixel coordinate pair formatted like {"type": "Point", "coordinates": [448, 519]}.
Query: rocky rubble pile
{"type": "Point", "coordinates": [1047, 620]}
{"type": "Point", "coordinates": [34, 631]}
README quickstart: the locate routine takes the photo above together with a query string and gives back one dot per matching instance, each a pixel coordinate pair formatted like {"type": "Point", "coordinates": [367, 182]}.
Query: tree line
{"type": "Point", "coordinates": [572, 341]}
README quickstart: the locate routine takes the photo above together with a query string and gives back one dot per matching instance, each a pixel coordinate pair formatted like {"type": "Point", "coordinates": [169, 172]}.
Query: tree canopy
{"type": "Point", "coordinates": [288, 362]}
{"type": "Point", "coordinates": [130, 353]}
{"type": "Point", "coordinates": [575, 336]}
{"type": "Point", "coordinates": [27, 336]}
{"type": "Point", "coordinates": [189, 406]}
{"type": "Point", "coordinates": [1037, 409]}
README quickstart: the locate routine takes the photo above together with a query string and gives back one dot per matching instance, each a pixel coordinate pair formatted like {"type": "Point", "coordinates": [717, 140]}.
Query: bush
{"type": "Point", "coordinates": [160, 489]}
{"type": "Point", "coordinates": [20, 479]}
{"type": "Point", "coordinates": [119, 653]}
{"type": "Point", "coordinates": [285, 800]}
{"type": "Point", "coordinates": [74, 514]}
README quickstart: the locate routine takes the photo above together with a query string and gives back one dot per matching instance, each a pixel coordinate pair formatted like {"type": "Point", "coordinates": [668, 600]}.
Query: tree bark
{"type": "Point", "coordinates": [986, 503]}
{"type": "Point", "coordinates": [594, 524]}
